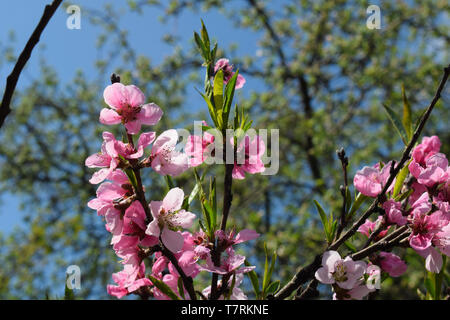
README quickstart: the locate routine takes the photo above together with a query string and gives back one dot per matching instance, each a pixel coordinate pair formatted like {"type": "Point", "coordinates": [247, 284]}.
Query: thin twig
{"type": "Point", "coordinates": [13, 77]}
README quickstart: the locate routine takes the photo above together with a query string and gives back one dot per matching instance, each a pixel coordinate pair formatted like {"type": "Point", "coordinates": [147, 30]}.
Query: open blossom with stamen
{"type": "Point", "coordinates": [165, 160]}
{"type": "Point", "coordinates": [127, 107]}
{"type": "Point", "coordinates": [344, 272]}
{"type": "Point", "coordinates": [227, 68]}
{"type": "Point", "coordinates": [168, 217]}
{"type": "Point", "coordinates": [371, 180]}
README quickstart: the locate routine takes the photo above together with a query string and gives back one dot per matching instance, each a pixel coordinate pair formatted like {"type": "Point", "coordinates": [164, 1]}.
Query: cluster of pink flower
{"type": "Point", "coordinates": [137, 231]}
{"type": "Point", "coordinates": [425, 212]}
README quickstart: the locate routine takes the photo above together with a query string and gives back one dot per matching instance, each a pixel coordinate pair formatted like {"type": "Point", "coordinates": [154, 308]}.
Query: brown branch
{"type": "Point", "coordinates": [13, 77]}
{"type": "Point", "coordinates": [306, 273]}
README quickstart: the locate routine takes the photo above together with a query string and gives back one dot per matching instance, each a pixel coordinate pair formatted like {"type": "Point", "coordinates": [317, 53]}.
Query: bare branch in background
{"type": "Point", "coordinates": [13, 77]}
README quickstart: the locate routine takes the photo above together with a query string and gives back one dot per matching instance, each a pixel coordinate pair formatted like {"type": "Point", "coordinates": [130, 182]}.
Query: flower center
{"type": "Point", "coordinates": [128, 113]}
{"type": "Point", "coordinates": [340, 272]}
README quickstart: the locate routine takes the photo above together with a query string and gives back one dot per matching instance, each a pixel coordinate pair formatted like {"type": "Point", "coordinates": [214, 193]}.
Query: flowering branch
{"type": "Point", "coordinates": [306, 273]}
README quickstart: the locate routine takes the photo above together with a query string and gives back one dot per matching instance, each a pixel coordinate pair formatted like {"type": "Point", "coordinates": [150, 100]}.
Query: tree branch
{"type": "Point", "coordinates": [13, 77]}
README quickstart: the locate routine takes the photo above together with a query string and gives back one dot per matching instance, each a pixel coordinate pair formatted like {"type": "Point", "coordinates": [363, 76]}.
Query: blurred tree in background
{"type": "Point", "coordinates": [324, 78]}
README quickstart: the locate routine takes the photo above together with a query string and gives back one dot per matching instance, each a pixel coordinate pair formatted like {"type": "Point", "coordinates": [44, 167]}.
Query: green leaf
{"type": "Point", "coordinates": [401, 176]}
{"type": "Point", "coordinates": [205, 37]}
{"type": "Point", "coordinates": [406, 120]}
{"type": "Point", "coordinates": [170, 182]}
{"type": "Point", "coordinates": [268, 270]}
{"type": "Point", "coordinates": [211, 218]}
{"type": "Point", "coordinates": [254, 279]}
{"type": "Point", "coordinates": [359, 200]}
{"type": "Point", "coordinates": [193, 194]}
{"type": "Point", "coordinates": [273, 287]}
{"type": "Point", "coordinates": [324, 219]}
{"type": "Point", "coordinates": [229, 94]}
{"type": "Point", "coordinates": [201, 46]}
{"type": "Point", "coordinates": [131, 177]}
{"type": "Point", "coordinates": [181, 288]}
{"type": "Point", "coordinates": [213, 199]}
{"type": "Point", "coordinates": [164, 288]}
{"type": "Point", "coordinates": [218, 95]}
{"type": "Point", "coordinates": [212, 111]}
{"type": "Point", "coordinates": [403, 196]}
{"type": "Point", "coordinates": [350, 246]}
{"type": "Point", "coordinates": [395, 119]}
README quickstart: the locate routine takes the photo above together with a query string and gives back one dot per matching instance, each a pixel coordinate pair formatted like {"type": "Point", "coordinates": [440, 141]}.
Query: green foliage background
{"type": "Point", "coordinates": [325, 77]}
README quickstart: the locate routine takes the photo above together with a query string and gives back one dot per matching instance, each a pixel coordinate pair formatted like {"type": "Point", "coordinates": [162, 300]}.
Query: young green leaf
{"type": "Point", "coordinates": [254, 279]}
{"type": "Point", "coordinates": [229, 94]}
{"type": "Point", "coordinates": [218, 94]}
{"type": "Point", "coordinates": [397, 123]}
{"type": "Point", "coordinates": [406, 120]}
{"type": "Point", "coordinates": [181, 288]}
{"type": "Point", "coordinates": [164, 288]}
{"type": "Point", "coordinates": [401, 176]}
{"type": "Point", "coordinates": [323, 218]}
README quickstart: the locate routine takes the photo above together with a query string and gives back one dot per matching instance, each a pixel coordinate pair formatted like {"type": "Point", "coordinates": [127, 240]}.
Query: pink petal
{"type": "Point", "coordinates": [173, 200]}
{"type": "Point", "coordinates": [133, 127]}
{"type": "Point", "coordinates": [173, 240]}
{"type": "Point", "coordinates": [109, 117]}
{"type": "Point", "coordinates": [134, 95]}
{"type": "Point", "coordinates": [150, 114]}
{"type": "Point", "coordinates": [114, 95]}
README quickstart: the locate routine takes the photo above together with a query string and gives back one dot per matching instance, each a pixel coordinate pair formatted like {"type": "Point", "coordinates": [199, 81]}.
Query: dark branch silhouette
{"type": "Point", "coordinates": [13, 77]}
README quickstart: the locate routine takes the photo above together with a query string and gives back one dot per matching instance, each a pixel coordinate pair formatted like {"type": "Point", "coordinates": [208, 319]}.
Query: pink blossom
{"type": "Point", "coordinates": [251, 151]}
{"type": "Point", "coordinates": [428, 147]}
{"type": "Point", "coordinates": [109, 159]}
{"type": "Point", "coordinates": [227, 240]}
{"type": "Point", "coordinates": [370, 181]}
{"type": "Point", "coordinates": [165, 160]}
{"type": "Point", "coordinates": [368, 227]}
{"type": "Point", "coordinates": [227, 68]}
{"type": "Point", "coordinates": [358, 292]}
{"type": "Point", "coordinates": [108, 192]}
{"type": "Point", "coordinates": [392, 264]}
{"type": "Point", "coordinates": [436, 171]}
{"type": "Point", "coordinates": [171, 281]}
{"type": "Point", "coordinates": [230, 263]}
{"type": "Point", "coordinates": [168, 216]}
{"type": "Point", "coordinates": [236, 294]}
{"type": "Point", "coordinates": [128, 282]}
{"type": "Point", "coordinates": [344, 272]}
{"type": "Point", "coordinates": [196, 146]}
{"type": "Point", "coordinates": [423, 226]}
{"type": "Point", "coordinates": [394, 213]}
{"type": "Point", "coordinates": [127, 107]}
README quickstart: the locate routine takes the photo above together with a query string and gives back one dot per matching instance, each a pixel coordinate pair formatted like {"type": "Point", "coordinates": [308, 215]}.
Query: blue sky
{"type": "Point", "coordinates": [71, 50]}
